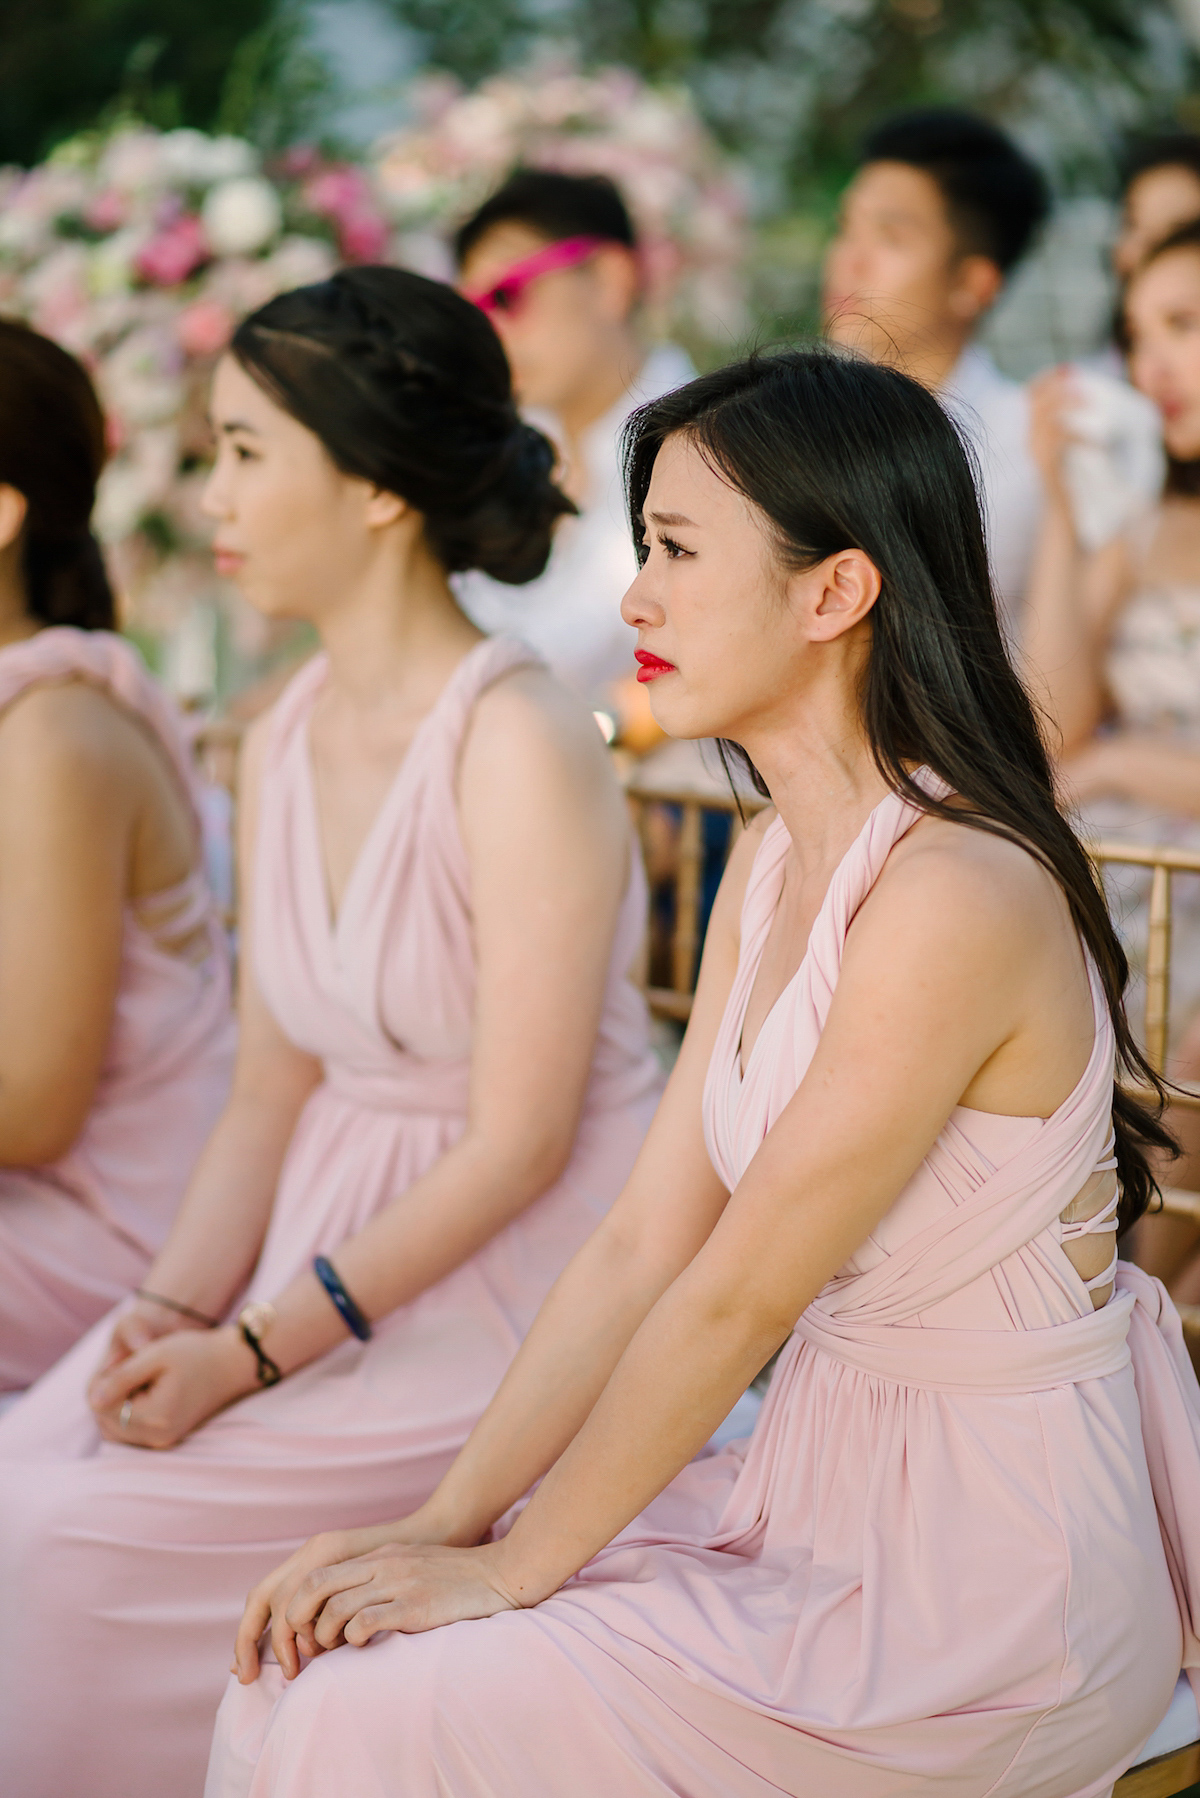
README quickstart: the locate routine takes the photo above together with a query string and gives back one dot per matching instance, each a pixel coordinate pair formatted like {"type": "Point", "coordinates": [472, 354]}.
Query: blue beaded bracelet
{"type": "Point", "coordinates": [348, 1311]}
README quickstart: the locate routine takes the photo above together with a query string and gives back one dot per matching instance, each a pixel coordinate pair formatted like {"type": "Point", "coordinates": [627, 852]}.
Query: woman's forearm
{"type": "Point", "coordinates": [1145, 769]}
{"type": "Point", "coordinates": [684, 1370]}
{"type": "Point", "coordinates": [219, 1229]}
{"type": "Point", "coordinates": [586, 1324]}
{"type": "Point", "coordinates": [1057, 649]}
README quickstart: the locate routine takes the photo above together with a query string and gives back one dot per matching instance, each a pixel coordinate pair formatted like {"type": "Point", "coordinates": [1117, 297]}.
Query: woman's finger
{"type": "Point", "coordinates": [135, 1371]}
{"type": "Point", "coordinates": [372, 1618]}
{"type": "Point", "coordinates": [321, 1584]}
{"type": "Point", "coordinates": [255, 1619]}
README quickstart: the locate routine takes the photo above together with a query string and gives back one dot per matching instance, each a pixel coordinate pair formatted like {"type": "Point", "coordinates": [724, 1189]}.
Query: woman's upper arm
{"type": "Point", "coordinates": [67, 815]}
{"type": "Point", "coordinates": [674, 1195]}
{"type": "Point", "coordinates": [548, 841]}
{"type": "Point", "coordinates": [269, 1066]}
{"type": "Point", "coordinates": [1104, 588]}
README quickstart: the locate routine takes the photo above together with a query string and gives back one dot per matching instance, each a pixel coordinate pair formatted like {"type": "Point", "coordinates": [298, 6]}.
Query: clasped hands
{"type": "Point", "coordinates": [345, 1585]}
{"type": "Point", "coordinates": [171, 1375]}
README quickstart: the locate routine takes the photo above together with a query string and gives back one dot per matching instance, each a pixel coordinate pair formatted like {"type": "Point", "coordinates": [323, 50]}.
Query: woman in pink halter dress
{"type": "Point", "coordinates": [116, 1032]}
{"type": "Point", "coordinates": [961, 1549]}
{"type": "Point", "coordinates": [444, 1072]}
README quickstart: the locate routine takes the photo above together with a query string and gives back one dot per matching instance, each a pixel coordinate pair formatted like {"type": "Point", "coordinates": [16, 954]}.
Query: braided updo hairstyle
{"type": "Point", "coordinates": [52, 450]}
{"type": "Point", "coordinates": [406, 385]}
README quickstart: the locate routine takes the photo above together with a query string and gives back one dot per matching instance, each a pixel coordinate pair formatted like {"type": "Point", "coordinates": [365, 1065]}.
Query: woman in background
{"type": "Point", "coordinates": [1113, 641]}
{"type": "Point", "coordinates": [1160, 192]}
{"type": "Point", "coordinates": [116, 1037]}
{"type": "Point", "coordinates": [444, 1072]}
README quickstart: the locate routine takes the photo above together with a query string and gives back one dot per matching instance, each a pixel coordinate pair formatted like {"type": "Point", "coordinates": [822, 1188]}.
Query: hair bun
{"type": "Point", "coordinates": [508, 531]}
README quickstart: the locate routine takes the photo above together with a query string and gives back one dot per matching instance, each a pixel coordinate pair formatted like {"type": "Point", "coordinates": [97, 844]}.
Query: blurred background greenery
{"type": "Point", "coordinates": [787, 85]}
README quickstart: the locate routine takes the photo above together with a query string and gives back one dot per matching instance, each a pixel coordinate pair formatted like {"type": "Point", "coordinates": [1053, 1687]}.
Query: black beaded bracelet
{"type": "Point", "coordinates": [269, 1372]}
{"type": "Point", "coordinates": [347, 1310]}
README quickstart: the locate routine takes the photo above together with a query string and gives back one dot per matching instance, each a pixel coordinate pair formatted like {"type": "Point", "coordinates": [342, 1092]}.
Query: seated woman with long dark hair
{"type": "Point", "coordinates": [892, 1144]}
{"type": "Point", "coordinates": [444, 1071]}
{"type": "Point", "coordinates": [116, 1036]}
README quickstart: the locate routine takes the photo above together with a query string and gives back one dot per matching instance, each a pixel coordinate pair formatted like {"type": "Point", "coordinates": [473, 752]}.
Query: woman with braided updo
{"type": "Point", "coordinates": [444, 1072]}
{"type": "Point", "coordinates": [116, 1033]}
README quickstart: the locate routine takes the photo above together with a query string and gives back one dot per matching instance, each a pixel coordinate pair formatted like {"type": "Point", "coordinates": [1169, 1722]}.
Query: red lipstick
{"type": "Point", "coordinates": [650, 666]}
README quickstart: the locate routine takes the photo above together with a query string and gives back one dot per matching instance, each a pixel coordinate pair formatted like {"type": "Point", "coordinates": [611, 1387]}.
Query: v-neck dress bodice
{"type": "Point", "coordinates": [960, 1551]}
{"type": "Point", "coordinates": [141, 1561]}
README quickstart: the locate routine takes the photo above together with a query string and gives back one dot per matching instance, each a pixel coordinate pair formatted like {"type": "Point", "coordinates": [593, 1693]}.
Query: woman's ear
{"type": "Point", "coordinates": [384, 508]}
{"type": "Point", "coordinates": [841, 591]}
{"type": "Point", "coordinates": [14, 509]}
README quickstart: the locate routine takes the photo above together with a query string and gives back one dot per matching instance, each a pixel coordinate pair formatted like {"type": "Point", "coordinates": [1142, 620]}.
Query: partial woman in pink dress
{"type": "Point", "coordinates": [961, 1549]}
{"type": "Point", "coordinates": [444, 1070]}
{"type": "Point", "coordinates": [116, 1029]}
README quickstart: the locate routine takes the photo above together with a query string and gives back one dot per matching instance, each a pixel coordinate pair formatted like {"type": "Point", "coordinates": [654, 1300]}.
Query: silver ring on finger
{"type": "Point", "coordinates": [125, 1413]}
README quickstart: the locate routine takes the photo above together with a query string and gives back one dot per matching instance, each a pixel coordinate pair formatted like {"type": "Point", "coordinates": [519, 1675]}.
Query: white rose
{"type": "Point", "coordinates": [241, 215]}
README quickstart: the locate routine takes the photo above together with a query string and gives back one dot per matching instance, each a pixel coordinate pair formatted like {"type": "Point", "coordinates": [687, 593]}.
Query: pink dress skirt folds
{"type": "Point", "coordinates": [77, 1236]}
{"type": "Point", "coordinates": [960, 1552]}
{"type": "Point", "coordinates": [126, 1571]}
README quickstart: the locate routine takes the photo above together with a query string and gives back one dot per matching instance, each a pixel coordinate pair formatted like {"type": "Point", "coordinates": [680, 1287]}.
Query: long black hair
{"type": "Point", "coordinates": [407, 386]}
{"type": "Point", "coordinates": [52, 450]}
{"type": "Point", "coordinates": [839, 453]}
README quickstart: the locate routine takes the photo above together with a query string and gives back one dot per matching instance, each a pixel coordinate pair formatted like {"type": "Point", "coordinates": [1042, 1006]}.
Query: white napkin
{"type": "Point", "coordinates": [1116, 466]}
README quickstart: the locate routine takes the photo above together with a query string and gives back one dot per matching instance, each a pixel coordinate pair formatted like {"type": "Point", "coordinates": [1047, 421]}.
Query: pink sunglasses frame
{"type": "Point", "coordinates": [568, 253]}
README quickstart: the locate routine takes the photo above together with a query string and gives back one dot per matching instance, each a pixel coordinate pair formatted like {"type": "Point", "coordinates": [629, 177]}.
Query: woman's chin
{"type": "Point", "coordinates": [1182, 440]}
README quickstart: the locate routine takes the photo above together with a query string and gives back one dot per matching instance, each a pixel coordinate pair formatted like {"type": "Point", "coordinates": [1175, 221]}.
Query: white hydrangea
{"type": "Point", "coordinates": [241, 215]}
{"type": "Point", "coordinates": [196, 160]}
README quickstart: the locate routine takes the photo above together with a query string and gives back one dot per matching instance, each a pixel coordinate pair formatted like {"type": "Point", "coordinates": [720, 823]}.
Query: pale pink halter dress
{"type": "Point", "coordinates": [937, 1563]}
{"type": "Point", "coordinates": [125, 1571]}
{"type": "Point", "coordinates": [76, 1236]}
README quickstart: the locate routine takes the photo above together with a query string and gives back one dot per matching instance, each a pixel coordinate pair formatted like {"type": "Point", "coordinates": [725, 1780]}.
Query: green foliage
{"type": "Point", "coordinates": [791, 84]}
{"type": "Point", "coordinates": [226, 64]}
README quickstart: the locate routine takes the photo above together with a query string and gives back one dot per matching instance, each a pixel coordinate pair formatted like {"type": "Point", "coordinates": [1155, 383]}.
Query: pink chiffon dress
{"type": "Point", "coordinates": [126, 1571]}
{"type": "Point", "coordinates": [77, 1236]}
{"type": "Point", "coordinates": [959, 1553]}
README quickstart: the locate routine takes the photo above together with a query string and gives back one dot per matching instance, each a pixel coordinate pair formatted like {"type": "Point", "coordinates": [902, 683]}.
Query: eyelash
{"type": "Point", "coordinates": [674, 550]}
{"type": "Point", "coordinates": [243, 454]}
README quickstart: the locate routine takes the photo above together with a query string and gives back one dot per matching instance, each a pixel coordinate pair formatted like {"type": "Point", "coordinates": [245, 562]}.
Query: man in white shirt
{"type": "Point", "coordinates": [940, 212]}
{"type": "Point", "coordinates": [552, 258]}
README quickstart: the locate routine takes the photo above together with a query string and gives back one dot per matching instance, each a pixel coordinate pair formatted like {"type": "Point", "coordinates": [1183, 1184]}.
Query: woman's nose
{"type": "Point", "coordinates": [212, 502]}
{"type": "Point", "coordinates": [639, 605]}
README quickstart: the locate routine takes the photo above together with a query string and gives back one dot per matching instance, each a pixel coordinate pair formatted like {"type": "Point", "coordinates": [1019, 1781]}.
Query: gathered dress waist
{"type": "Point", "coordinates": [998, 1362]}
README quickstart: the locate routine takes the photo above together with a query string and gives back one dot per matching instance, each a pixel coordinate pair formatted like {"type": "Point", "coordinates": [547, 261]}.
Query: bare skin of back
{"type": "Point", "coordinates": [92, 821]}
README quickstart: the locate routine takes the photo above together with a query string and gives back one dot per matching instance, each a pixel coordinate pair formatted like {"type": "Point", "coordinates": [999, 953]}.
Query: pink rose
{"type": "Point", "coordinates": [173, 253]}
{"type": "Point", "coordinates": [106, 211]}
{"type": "Point", "coordinates": [363, 237]}
{"type": "Point", "coordinates": [336, 193]}
{"type": "Point", "coordinates": [204, 328]}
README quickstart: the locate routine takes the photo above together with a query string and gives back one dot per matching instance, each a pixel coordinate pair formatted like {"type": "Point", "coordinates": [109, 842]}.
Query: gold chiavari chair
{"type": "Point", "coordinates": [1167, 1775]}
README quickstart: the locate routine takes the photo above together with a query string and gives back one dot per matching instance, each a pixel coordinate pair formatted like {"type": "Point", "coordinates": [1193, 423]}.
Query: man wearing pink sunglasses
{"type": "Point", "coordinates": [553, 261]}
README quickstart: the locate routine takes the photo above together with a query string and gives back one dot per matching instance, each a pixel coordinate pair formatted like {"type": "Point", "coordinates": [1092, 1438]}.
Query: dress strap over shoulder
{"type": "Point", "coordinates": [62, 652]}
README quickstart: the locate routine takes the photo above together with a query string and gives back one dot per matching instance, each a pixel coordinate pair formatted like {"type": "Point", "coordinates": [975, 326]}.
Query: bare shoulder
{"type": "Point", "coordinates": [68, 735]}
{"type": "Point", "coordinates": [969, 885]}
{"type": "Point", "coordinates": [529, 728]}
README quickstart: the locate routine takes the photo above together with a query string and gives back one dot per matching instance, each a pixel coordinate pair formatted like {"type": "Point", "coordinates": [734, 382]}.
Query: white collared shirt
{"type": "Point", "coordinates": [571, 614]}
{"type": "Point", "coordinates": [993, 412]}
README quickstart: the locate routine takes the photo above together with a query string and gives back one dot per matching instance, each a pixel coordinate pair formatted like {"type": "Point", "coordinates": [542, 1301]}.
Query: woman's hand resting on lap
{"type": "Point", "coordinates": [174, 1383]}
{"type": "Point", "coordinates": [345, 1585]}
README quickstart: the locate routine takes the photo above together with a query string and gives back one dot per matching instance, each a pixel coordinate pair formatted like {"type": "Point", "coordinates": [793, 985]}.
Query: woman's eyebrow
{"type": "Point", "coordinates": [676, 518]}
{"type": "Point", "coordinates": [229, 425]}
